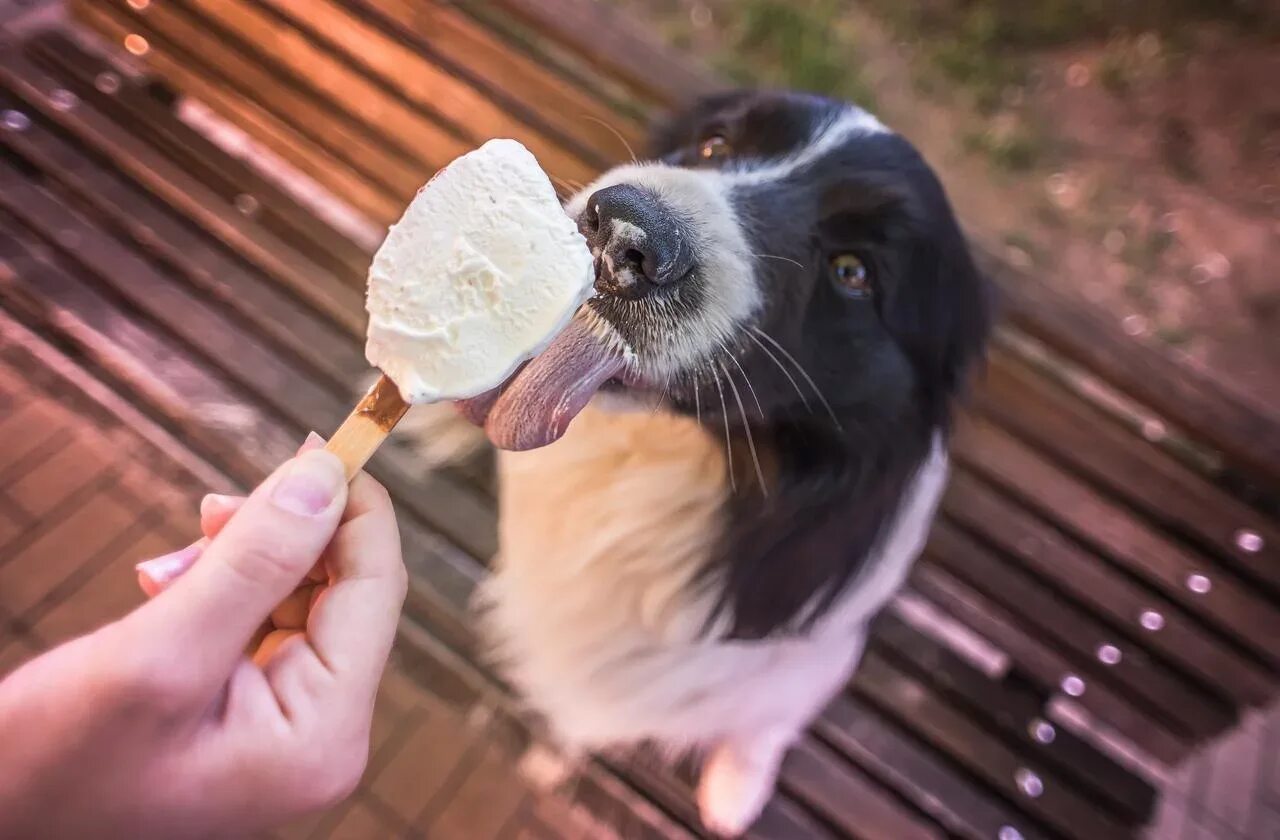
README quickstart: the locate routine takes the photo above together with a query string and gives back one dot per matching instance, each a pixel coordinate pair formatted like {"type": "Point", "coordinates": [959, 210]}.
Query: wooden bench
{"type": "Point", "coordinates": [1101, 594]}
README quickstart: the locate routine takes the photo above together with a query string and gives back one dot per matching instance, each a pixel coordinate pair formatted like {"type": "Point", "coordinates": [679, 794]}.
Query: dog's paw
{"type": "Point", "coordinates": [545, 769]}
{"type": "Point", "coordinates": [734, 788]}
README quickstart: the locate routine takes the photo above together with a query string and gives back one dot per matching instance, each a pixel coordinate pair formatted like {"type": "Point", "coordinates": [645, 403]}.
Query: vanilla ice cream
{"type": "Point", "coordinates": [480, 273]}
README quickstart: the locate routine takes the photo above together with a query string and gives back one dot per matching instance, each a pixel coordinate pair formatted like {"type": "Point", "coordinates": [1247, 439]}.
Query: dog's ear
{"type": "Point", "coordinates": [940, 312]}
{"type": "Point", "coordinates": [683, 128]}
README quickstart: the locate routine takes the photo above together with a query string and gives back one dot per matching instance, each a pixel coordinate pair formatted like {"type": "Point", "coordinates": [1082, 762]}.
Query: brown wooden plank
{"type": "Point", "coordinates": [1012, 708]}
{"type": "Point", "coordinates": [423, 763]}
{"type": "Point", "coordinates": [76, 463]}
{"type": "Point", "coordinates": [782, 819]}
{"type": "Point", "coordinates": [360, 822]}
{"type": "Point", "coordinates": [610, 800]}
{"type": "Point", "coordinates": [1187, 397]}
{"type": "Point", "coordinates": [109, 594]}
{"type": "Point", "coordinates": [1044, 551]}
{"type": "Point", "coordinates": [1055, 801]}
{"type": "Point", "coordinates": [10, 527]}
{"type": "Point", "coordinates": [419, 81]}
{"type": "Point", "coordinates": [441, 28]}
{"type": "Point", "coordinates": [201, 61]}
{"type": "Point", "coordinates": [1049, 670]}
{"type": "Point", "coordinates": [931, 783]}
{"type": "Point", "coordinates": [1072, 505]}
{"type": "Point", "coordinates": [15, 652]}
{"type": "Point", "coordinates": [1045, 618]}
{"type": "Point", "coordinates": [341, 302]}
{"type": "Point", "coordinates": [26, 431]}
{"type": "Point", "coordinates": [206, 409]}
{"type": "Point", "coordinates": [367, 195]}
{"type": "Point", "coordinates": [135, 105]}
{"type": "Point", "coordinates": [223, 342]}
{"type": "Point", "coordinates": [414, 79]}
{"type": "Point", "coordinates": [78, 539]}
{"type": "Point", "coordinates": [448, 506]}
{"type": "Point", "coordinates": [844, 797]}
{"type": "Point", "coordinates": [131, 214]}
{"type": "Point", "coordinates": [615, 45]}
{"type": "Point", "coordinates": [1163, 489]}
{"type": "Point", "coordinates": [484, 802]}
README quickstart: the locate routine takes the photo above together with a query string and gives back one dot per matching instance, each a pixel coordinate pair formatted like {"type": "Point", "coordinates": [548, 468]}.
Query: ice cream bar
{"type": "Point", "coordinates": [479, 275]}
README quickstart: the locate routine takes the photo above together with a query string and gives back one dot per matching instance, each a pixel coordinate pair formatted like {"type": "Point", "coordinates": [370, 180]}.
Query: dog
{"type": "Point", "coordinates": [791, 310]}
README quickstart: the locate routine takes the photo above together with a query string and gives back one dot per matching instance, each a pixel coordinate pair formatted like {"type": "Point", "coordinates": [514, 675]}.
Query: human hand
{"type": "Point", "coordinates": [162, 725]}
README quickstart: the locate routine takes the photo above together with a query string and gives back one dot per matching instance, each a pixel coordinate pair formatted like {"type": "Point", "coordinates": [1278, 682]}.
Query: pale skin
{"type": "Point", "coordinates": [239, 696]}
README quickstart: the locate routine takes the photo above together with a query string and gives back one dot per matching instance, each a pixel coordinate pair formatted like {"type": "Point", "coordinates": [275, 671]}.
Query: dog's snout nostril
{"type": "Point", "coordinates": [639, 240]}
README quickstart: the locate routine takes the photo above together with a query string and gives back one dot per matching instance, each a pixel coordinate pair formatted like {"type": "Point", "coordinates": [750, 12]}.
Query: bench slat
{"type": "Point", "coordinates": [615, 46]}
{"type": "Point", "coordinates": [296, 45]}
{"type": "Point", "coordinates": [819, 777]}
{"type": "Point", "coordinates": [340, 301]}
{"type": "Point", "coordinates": [192, 400]}
{"type": "Point", "coordinates": [1047, 668]}
{"type": "Point", "coordinates": [1038, 547]}
{"type": "Point", "coordinates": [1164, 490]}
{"type": "Point", "coordinates": [364, 194]}
{"type": "Point", "coordinates": [136, 106]}
{"type": "Point", "coordinates": [194, 56]}
{"type": "Point", "coordinates": [931, 783]}
{"type": "Point", "coordinates": [915, 705]}
{"type": "Point", "coordinates": [331, 353]}
{"type": "Point", "coordinates": [1173, 388]}
{"type": "Point", "coordinates": [441, 29]}
{"type": "Point", "coordinates": [1038, 613]}
{"type": "Point", "coordinates": [1229, 604]}
{"type": "Point", "coordinates": [1010, 708]}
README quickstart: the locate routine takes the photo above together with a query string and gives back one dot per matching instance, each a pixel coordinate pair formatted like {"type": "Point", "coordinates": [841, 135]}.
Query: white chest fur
{"type": "Point", "coordinates": [596, 609]}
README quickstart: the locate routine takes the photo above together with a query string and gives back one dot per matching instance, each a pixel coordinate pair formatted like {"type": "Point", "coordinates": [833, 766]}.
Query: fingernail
{"type": "Point", "coordinates": [216, 503]}
{"type": "Point", "coordinates": [312, 441]}
{"type": "Point", "coordinates": [166, 567]}
{"type": "Point", "coordinates": [309, 483]}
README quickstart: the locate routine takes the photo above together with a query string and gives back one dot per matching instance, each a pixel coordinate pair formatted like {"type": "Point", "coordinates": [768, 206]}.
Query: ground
{"type": "Point", "coordinates": [1128, 153]}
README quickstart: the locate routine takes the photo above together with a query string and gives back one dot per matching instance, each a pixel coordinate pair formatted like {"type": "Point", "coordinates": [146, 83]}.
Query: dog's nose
{"type": "Point", "coordinates": [638, 242]}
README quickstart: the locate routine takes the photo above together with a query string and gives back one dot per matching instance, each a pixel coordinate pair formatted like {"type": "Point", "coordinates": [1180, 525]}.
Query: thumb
{"type": "Point", "coordinates": [271, 543]}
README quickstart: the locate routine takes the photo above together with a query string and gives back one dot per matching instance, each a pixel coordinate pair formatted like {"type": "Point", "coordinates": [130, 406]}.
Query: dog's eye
{"type": "Point", "coordinates": [851, 275]}
{"type": "Point", "coordinates": [714, 148]}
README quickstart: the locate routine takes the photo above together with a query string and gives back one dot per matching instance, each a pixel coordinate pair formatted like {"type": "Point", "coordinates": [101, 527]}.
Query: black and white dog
{"type": "Point", "coordinates": [787, 283]}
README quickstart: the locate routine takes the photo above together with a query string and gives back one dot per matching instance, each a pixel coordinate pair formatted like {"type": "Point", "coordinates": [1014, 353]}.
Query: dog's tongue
{"type": "Point", "coordinates": [535, 407]}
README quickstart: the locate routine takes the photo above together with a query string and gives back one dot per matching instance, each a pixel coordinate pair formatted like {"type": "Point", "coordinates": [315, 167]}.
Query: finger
{"type": "Point", "coordinates": [216, 511]}
{"type": "Point", "coordinates": [353, 624]}
{"type": "Point", "coordinates": [291, 613]}
{"type": "Point", "coordinates": [252, 565]}
{"type": "Point", "coordinates": [155, 575]}
{"type": "Point", "coordinates": [271, 643]}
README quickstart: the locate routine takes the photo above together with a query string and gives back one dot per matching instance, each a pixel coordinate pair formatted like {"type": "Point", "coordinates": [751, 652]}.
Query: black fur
{"type": "Point", "coordinates": [889, 366]}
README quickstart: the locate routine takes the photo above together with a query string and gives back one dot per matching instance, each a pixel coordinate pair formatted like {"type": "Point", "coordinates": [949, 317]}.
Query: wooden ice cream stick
{"type": "Point", "coordinates": [367, 426]}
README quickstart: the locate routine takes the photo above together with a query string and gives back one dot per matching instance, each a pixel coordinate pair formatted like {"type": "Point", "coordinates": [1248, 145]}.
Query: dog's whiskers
{"type": "Point", "coordinates": [804, 373]}
{"type": "Point", "coordinates": [615, 133]}
{"type": "Point", "coordinates": [796, 263]}
{"type": "Point", "coordinates": [666, 389]}
{"type": "Point", "coordinates": [728, 438]}
{"type": "Point", "coordinates": [697, 400]}
{"type": "Point", "coordinates": [569, 185]}
{"type": "Point", "coordinates": [799, 393]}
{"type": "Point", "coordinates": [751, 442]}
{"type": "Point", "coordinates": [745, 378]}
